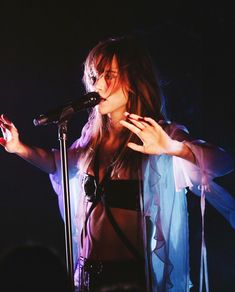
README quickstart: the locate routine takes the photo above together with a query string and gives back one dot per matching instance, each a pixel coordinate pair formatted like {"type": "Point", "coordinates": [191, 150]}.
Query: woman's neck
{"type": "Point", "coordinates": [115, 127]}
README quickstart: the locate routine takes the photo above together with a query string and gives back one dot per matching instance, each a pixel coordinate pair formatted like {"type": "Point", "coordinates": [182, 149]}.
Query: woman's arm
{"type": "Point", "coordinates": [173, 139]}
{"type": "Point", "coordinates": [214, 159]}
{"type": "Point", "coordinates": [39, 157]}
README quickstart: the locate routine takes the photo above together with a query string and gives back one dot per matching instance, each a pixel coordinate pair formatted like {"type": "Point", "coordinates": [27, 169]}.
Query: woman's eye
{"type": "Point", "coordinates": [109, 76]}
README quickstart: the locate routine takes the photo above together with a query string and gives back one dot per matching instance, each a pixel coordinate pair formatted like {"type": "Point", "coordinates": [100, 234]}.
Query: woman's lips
{"type": "Point", "coordinates": [103, 99]}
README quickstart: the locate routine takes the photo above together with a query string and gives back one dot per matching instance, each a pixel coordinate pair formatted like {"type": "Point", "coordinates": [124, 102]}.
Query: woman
{"type": "Point", "coordinates": [128, 175]}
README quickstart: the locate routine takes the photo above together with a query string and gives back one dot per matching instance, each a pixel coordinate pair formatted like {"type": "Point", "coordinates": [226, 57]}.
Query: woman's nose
{"type": "Point", "coordinates": [100, 83]}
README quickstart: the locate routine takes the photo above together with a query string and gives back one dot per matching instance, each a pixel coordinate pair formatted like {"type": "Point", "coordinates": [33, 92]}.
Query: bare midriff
{"type": "Point", "coordinates": [102, 241]}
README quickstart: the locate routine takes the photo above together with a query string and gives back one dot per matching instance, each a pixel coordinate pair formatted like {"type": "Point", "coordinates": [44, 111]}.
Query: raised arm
{"type": "Point", "coordinates": [215, 160]}
{"type": "Point", "coordinates": [39, 157]}
{"type": "Point", "coordinates": [174, 140]}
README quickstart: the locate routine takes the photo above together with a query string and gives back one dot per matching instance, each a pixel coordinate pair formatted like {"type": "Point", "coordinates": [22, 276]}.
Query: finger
{"type": "Point", "coordinates": [5, 126]}
{"type": "Point", "coordinates": [2, 126]}
{"type": "Point", "coordinates": [141, 121]}
{"type": "Point", "coordinates": [136, 147]}
{"type": "Point", "coordinates": [6, 120]}
{"type": "Point", "coordinates": [2, 142]}
{"type": "Point", "coordinates": [134, 117]}
{"type": "Point", "coordinates": [137, 118]}
{"type": "Point", "coordinates": [131, 127]}
{"type": "Point", "coordinates": [138, 124]}
{"type": "Point", "coordinates": [4, 132]}
{"type": "Point", "coordinates": [5, 129]}
{"type": "Point", "coordinates": [151, 121]}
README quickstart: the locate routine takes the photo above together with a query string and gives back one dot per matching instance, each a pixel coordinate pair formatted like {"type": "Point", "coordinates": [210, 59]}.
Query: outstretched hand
{"type": "Point", "coordinates": [155, 139]}
{"type": "Point", "coordinates": [10, 139]}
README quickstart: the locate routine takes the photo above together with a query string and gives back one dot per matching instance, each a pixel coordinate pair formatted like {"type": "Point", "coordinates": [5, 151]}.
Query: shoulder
{"type": "Point", "coordinates": [75, 149]}
{"type": "Point", "coordinates": [76, 144]}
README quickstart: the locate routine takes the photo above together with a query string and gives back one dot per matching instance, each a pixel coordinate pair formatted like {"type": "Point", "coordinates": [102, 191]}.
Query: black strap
{"type": "Point", "coordinates": [120, 233]}
{"type": "Point", "coordinates": [92, 207]}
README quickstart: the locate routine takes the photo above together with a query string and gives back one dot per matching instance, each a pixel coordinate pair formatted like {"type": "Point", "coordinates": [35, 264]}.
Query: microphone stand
{"type": "Point", "coordinates": [62, 136]}
{"type": "Point", "coordinates": [61, 117]}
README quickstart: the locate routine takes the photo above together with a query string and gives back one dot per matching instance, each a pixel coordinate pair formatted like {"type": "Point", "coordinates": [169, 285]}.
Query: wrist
{"type": "Point", "coordinates": [181, 150]}
{"type": "Point", "coordinates": [21, 149]}
{"type": "Point", "coordinates": [175, 148]}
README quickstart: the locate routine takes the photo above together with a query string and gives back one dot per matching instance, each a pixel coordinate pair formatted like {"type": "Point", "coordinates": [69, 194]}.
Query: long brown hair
{"type": "Point", "coordinates": [144, 96]}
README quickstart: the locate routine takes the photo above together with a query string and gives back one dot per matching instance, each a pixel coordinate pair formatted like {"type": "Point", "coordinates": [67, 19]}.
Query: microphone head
{"type": "Point", "coordinates": [35, 122]}
{"type": "Point", "coordinates": [64, 112]}
{"type": "Point", "coordinates": [88, 100]}
{"type": "Point", "coordinates": [41, 120]}
{"type": "Point", "coordinates": [93, 98]}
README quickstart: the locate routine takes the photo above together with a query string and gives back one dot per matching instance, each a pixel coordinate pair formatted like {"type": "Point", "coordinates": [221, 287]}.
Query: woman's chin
{"type": "Point", "coordinates": [102, 110]}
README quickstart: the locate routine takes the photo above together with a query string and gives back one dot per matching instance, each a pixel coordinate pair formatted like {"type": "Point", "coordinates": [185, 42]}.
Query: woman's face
{"type": "Point", "coordinates": [111, 90]}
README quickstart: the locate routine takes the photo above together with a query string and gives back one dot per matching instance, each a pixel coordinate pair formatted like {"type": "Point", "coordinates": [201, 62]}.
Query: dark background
{"type": "Point", "coordinates": [43, 46]}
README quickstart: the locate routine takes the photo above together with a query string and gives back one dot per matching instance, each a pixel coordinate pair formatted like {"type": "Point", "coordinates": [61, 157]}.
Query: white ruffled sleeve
{"type": "Point", "coordinates": [166, 180]}
{"type": "Point", "coordinates": [211, 162]}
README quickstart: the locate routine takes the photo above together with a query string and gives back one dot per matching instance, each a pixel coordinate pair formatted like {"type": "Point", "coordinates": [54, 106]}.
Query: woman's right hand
{"type": "Point", "coordinates": [10, 140]}
{"type": "Point", "coordinates": [39, 157]}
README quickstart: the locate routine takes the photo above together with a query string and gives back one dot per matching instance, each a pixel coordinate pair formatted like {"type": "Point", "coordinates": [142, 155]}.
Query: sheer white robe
{"type": "Point", "coordinates": [165, 182]}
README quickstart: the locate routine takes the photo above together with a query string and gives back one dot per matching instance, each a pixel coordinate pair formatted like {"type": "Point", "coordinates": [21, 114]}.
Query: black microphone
{"type": "Point", "coordinates": [64, 112]}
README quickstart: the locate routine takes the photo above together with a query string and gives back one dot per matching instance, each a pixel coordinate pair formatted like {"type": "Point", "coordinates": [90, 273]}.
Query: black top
{"type": "Point", "coordinates": [123, 194]}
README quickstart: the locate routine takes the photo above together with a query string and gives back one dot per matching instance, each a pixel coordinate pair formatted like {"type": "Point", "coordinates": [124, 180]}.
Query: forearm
{"type": "Point", "coordinates": [213, 159]}
{"type": "Point", "coordinates": [39, 157]}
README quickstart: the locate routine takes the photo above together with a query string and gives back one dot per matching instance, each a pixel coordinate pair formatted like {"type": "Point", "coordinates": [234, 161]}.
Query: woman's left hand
{"type": "Point", "coordinates": [155, 139]}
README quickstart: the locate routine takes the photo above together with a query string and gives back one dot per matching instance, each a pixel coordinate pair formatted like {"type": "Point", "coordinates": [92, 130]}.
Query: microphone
{"type": "Point", "coordinates": [64, 112]}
